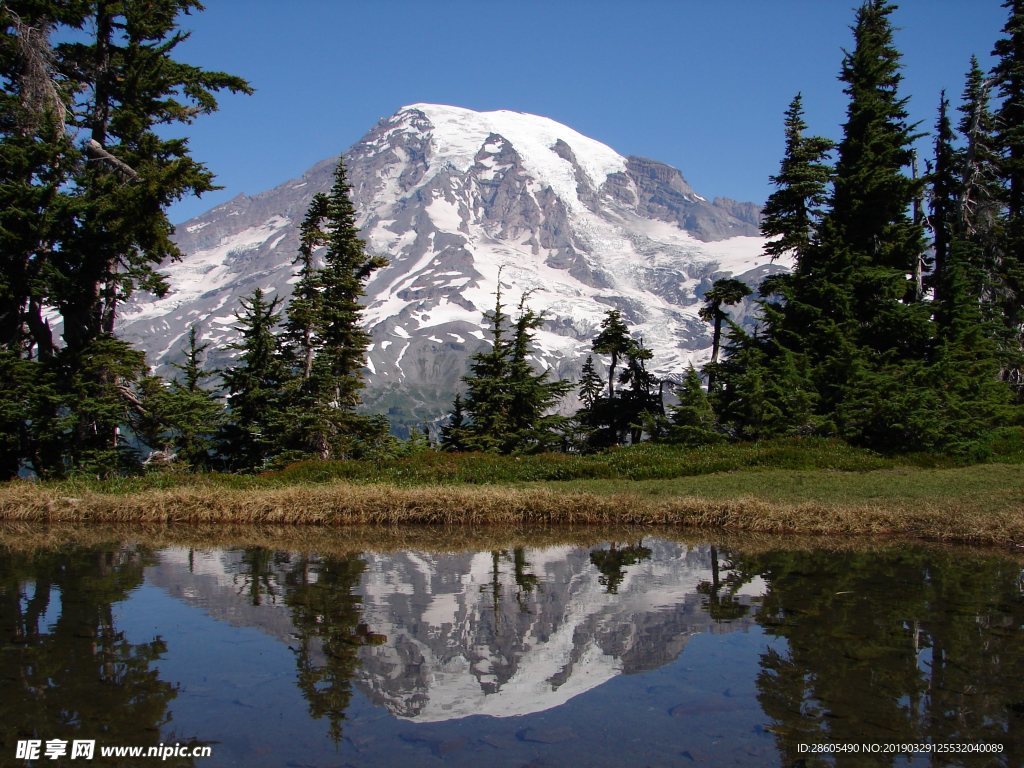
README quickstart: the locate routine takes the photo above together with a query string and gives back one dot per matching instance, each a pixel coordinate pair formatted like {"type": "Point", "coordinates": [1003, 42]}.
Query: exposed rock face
{"type": "Point", "coordinates": [453, 197]}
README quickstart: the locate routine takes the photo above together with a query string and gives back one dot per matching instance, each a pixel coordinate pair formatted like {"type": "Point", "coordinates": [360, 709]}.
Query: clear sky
{"type": "Point", "coordinates": [699, 84]}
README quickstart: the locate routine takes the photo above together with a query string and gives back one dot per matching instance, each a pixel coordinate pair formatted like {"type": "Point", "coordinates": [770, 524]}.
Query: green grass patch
{"type": "Point", "coordinates": [988, 487]}
{"type": "Point", "coordinates": [643, 462]}
{"type": "Point", "coordinates": [646, 461]}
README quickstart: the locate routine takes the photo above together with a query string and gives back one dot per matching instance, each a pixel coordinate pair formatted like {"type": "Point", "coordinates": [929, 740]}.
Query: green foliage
{"type": "Point", "coordinates": [591, 384]}
{"type": "Point", "coordinates": [98, 394]}
{"type": "Point", "coordinates": [645, 461]}
{"type": "Point", "coordinates": [725, 291]}
{"type": "Point", "coordinates": [180, 420]}
{"type": "Point", "coordinates": [635, 408]}
{"type": "Point", "coordinates": [88, 165]}
{"type": "Point", "coordinates": [453, 433]}
{"type": "Point", "coordinates": [254, 386]}
{"type": "Point", "coordinates": [792, 212]}
{"type": "Point", "coordinates": [508, 406]}
{"type": "Point", "coordinates": [324, 341]}
{"type": "Point", "coordinates": [848, 344]}
{"type": "Point", "coordinates": [613, 340]}
{"type": "Point", "coordinates": [1008, 266]}
{"type": "Point", "coordinates": [693, 421]}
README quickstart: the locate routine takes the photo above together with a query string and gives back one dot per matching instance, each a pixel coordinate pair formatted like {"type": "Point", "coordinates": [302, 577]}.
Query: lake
{"type": "Point", "coordinates": [551, 648]}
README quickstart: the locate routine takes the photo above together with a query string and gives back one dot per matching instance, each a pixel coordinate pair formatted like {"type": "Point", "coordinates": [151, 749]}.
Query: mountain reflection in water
{"type": "Point", "coordinates": [740, 654]}
{"type": "Point", "coordinates": [444, 636]}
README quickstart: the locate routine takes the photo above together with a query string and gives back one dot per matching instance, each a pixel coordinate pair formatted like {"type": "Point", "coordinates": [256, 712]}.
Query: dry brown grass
{"type": "Point", "coordinates": [466, 507]}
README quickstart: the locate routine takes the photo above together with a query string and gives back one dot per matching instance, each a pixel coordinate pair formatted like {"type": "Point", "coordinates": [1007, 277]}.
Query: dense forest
{"type": "Point", "coordinates": [900, 327]}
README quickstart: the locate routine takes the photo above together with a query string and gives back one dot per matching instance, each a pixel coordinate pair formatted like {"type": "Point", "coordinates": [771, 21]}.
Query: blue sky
{"type": "Point", "coordinates": [699, 84]}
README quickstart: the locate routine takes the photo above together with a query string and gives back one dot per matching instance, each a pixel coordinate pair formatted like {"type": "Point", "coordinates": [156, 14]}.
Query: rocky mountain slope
{"type": "Point", "coordinates": [453, 198]}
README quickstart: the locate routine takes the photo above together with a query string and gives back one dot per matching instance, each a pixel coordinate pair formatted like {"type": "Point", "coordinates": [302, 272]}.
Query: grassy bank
{"type": "Point", "coordinates": [815, 487]}
{"type": "Point", "coordinates": [981, 504]}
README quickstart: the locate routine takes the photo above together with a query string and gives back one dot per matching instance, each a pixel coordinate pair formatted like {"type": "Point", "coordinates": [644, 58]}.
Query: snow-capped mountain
{"type": "Point", "coordinates": [453, 198]}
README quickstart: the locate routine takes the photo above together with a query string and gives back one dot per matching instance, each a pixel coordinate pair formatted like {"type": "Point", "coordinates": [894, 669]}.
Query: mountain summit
{"type": "Point", "coordinates": [454, 198]}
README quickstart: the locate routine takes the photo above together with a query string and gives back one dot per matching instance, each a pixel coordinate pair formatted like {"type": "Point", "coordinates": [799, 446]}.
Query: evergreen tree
{"type": "Point", "coordinates": [793, 211]}
{"type": "Point", "coordinates": [86, 172]}
{"type": "Point", "coordinates": [875, 245]}
{"type": "Point", "coordinates": [693, 421]}
{"type": "Point", "coordinates": [606, 422]}
{"type": "Point", "coordinates": [131, 86]}
{"type": "Point", "coordinates": [1008, 76]}
{"type": "Point", "coordinates": [180, 420]}
{"type": "Point", "coordinates": [487, 393]}
{"type": "Point", "coordinates": [965, 359]}
{"type": "Point", "coordinates": [593, 409]}
{"type": "Point", "coordinates": [980, 197]}
{"type": "Point", "coordinates": [591, 384]}
{"type": "Point", "coordinates": [944, 191]}
{"type": "Point", "coordinates": [613, 340]}
{"type": "Point", "coordinates": [510, 406]}
{"type": "Point", "coordinates": [640, 404]}
{"type": "Point", "coordinates": [533, 424]}
{"type": "Point", "coordinates": [780, 397]}
{"type": "Point", "coordinates": [98, 395]}
{"type": "Point", "coordinates": [725, 291]}
{"type": "Point", "coordinates": [453, 433]}
{"type": "Point", "coordinates": [254, 387]}
{"type": "Point", "coordinates": [853, 304]}
{"type": "Point", "coordinates": [326, 342]}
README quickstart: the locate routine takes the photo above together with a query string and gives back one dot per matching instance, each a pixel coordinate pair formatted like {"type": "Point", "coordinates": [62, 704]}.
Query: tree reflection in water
{"type": "Point", "coordinates": [896, 647]}
{"type": "Point", "coordinates": [721, 596]}
{"type": "Point", "coordinates": [326, 612]}
{"type": "Point", "coordinates": [612, 562]}
{"type": "Point", "coordinates": [68, 672]}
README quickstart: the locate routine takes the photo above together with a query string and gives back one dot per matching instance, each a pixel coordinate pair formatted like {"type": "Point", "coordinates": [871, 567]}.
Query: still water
{"type": "Point", "coordinates": [638, 650]}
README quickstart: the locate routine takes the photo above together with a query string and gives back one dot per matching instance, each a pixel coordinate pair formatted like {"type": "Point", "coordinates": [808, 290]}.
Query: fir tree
{"type": "Point", "coordinates": [725, 291]}
{"type": "Point", "coordinates": [453, 433]}
{"type": "Point", "coordinates": [613, 340]}
{"type": "Point", "coordinates": [635, 407]}
{"type": "Point", "coordinates": [875, 243]}
{"type": "Point", "coordinates": [98, 396]}
{"type": "Point", "coordinates": [793, 211]}
{"type": "Point", "coordinates": [87, 172]}
{"type": "Point", "coordinates": [533, 425]}
{"type": "Point", "coordinates": [591, 384]}
{"type": "Point", "coordinates": [640, 404]}
{"type": "Point", "coordinates": [510, 406]}
{"type": "Point", "coordinates": [132, 86]}
{"type": "Point", "coordinates": [965, 359]}
{"type": "Point", "coordinates": [487, 394]}
{"type": "Point", "coordinates": [254, 387]}
{"type": "Point", "coordinates": [606, 422]}
{"type": "Point", "coordinates": [326, 342]}
{"type": "Point", "coordinates": [194, 413]}
{"type": "Point", "coordinates": [980, 196]}
{"type": "Point", "coordinates": [1008, 76]}
{"type": "Point", "coordinates": [692, 419]}
{"type": "Point", "coordinates": [593, 409]}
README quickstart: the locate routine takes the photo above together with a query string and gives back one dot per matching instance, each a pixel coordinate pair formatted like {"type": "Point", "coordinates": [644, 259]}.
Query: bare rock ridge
{"type": "Point", "coordinates": [451, 196]}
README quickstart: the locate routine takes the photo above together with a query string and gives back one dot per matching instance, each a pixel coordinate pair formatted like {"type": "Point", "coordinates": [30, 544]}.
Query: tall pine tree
{"type": "Point", "coordinates": [791, 214]}
{"type": "Point", "coordinates": [326, 341]}
{"type": "Point", "coordinates": [510, 406]}
{"type": "Point", "coordinates": [88, 169]}
{"type": "Point", "coordinates": [255, 386]}
{"type": "Point", "coordinates": [1008, 75]}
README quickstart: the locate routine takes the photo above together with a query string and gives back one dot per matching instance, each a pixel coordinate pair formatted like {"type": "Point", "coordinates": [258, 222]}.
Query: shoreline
{"type": "Point", "coordinates": [961, 517]}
